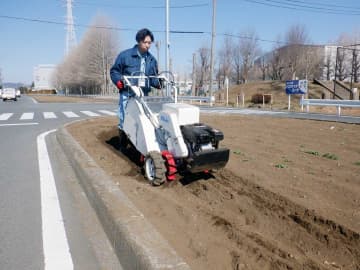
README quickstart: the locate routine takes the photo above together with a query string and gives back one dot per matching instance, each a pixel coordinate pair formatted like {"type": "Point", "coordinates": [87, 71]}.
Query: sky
{"type": "Point", "coordinates": [33, 32]}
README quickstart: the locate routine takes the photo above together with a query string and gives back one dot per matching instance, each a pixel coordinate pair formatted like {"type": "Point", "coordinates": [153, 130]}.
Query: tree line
{"type": "Point", "coordinates": [85, 70]}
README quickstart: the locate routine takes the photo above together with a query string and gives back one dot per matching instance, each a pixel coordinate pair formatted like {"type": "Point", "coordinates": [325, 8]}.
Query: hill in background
{"type": "Point", "coordinates": [279, 99]}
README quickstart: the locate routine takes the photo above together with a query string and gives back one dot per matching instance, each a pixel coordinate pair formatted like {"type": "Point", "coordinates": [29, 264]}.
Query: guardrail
{"type": "Point", "coordinates": [199, 99]}
{"type": "Point", "coordinates": [329, 102]}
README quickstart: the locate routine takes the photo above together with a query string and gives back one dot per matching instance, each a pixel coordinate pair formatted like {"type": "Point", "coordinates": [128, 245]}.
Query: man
{"type": "Point", "coordinates": [134, 61]}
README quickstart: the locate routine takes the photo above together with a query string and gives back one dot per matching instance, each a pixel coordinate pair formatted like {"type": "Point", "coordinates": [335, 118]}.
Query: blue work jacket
{"type": "Point", "coordinates": [128, 63]}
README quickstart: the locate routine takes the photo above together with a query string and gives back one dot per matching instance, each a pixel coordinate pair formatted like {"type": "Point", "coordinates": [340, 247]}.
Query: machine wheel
{"type": "Point", "coordinates": [155, 169]}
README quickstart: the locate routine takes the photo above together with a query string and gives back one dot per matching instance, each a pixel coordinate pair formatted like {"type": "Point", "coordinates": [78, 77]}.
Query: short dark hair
{"type": "Point", "coordinates": [142, 34]}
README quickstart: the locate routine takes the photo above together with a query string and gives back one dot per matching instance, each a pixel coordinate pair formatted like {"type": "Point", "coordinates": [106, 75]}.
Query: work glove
{"type": "Point", "coordinates": [120, 85]}
{"type": "Point", "coordinates": [161, 83]}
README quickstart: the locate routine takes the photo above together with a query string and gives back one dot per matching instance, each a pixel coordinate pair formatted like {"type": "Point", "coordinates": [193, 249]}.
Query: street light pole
{"type": "Point", "coordinates": [212, 49]}
{"type": "Point", "coordinates": [167, 42]}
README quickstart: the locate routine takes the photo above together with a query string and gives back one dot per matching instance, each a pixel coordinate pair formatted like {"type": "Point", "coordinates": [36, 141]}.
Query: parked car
{"type": "Point", "coordinates": [9, 93]}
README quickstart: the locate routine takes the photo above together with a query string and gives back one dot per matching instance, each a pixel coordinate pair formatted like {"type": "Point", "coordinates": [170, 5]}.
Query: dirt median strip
{"type": "Point", "coordinates": [136, 242]}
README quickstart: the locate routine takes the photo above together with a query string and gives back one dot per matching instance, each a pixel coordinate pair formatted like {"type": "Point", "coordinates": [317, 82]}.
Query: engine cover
{"type": "Point", "coordinates": [201, 134]}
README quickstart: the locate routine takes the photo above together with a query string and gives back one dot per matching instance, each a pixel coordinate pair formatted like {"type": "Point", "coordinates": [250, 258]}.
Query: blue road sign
{"type": "Point", "coordinates": [296, 87]}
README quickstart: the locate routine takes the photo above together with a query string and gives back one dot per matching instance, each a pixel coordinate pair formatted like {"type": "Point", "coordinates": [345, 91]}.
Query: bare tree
{"type": "Point", "coordinates": [341, 65]}
{"type": "Point", "coordinates": [86, 69]}
{"type": "Point", "coordinates": [356, 65]}
{"type": "Point", "coordinates": [295, 38]}
{"type": "Point", "coordinates": [237, 62]}
{"type": "Point", "coordinates": [264, 68]}
{"type": "Point", "coordinates": [328, 65]}
{"type": "Point", "coordinates": [276, 62]}
{"type": "Point", "coordinates": [245, 53]}
{"type": "Point", "coordinates": [225, 59]}
{"type": "Point", "coordinates": [203, 68]}
{"type": "Point", "coordinates": [100, 49]}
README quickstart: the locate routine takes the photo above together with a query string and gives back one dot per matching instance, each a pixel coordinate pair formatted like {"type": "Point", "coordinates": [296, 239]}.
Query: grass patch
{"type": "Point", "coordinates": [237, 152]}
{"type": "Point", "coordinates": [330, 156]}
{"type": "Point", "coordinates": [310, 152]}
{"type": "Point", "coordinates": [280, 166]}
{"type": "Point", "coordinates": [357, 163]}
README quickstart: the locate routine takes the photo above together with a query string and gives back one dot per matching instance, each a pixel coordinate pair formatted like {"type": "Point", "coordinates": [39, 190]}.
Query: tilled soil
{"type": "Point", "coordinates": [289, 197]}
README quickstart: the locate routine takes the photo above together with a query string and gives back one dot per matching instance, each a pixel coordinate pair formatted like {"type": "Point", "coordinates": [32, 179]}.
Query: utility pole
{"type": "Point", "coordinates": [158, 45]}
{"type": "Point", "coordinates": [70, 30]}
{"type": "Point", "coordinates": [193, 85]}
{"type": "Point", "coordinates": [167, 45]}
{"type": "Point", "coordinates": [212, 48]}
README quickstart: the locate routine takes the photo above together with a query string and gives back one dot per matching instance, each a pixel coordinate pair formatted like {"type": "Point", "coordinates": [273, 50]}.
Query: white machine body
{"type": "Point", "coordinates": [172, 116]}
{"type": "Point", "coordinates": [158, 132]}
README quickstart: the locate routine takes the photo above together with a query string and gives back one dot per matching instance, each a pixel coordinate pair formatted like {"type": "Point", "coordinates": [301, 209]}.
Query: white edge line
{"type": "Point", "coordinates": [22, 124]}
{"type": "Point", "coordinates": [55, 244]}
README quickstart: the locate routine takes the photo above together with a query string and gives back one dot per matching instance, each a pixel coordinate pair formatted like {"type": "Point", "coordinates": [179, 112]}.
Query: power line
{"type": "Point", "coordinates": [92, 26]}
{"type": "Point", "coordinates": [281, 4]}
{"type": "Point", "coordinates": [258, 39]}
{"type": "Point", "coordinates": [292, 3]}
{"type": "Point", "coordinates": [323, 4]}
{"type": "Point", "coordinates": [138, 6]}
{"type": "Point", "coordinates": [131, 29]}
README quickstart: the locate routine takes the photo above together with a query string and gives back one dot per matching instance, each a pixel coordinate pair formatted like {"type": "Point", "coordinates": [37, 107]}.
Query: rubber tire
{"type": "Point", "coordinates": [155, 168]}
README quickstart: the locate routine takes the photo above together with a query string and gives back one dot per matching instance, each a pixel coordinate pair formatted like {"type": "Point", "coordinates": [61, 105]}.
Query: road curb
{"type": "Point", "coordinates": [136, 242]}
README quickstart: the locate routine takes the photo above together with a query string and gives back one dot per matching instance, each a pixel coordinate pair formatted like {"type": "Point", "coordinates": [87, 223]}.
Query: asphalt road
{"type": "Point", "coordinates": [24, 208]}
{"type": "Point", "coordinates": [24, 213]}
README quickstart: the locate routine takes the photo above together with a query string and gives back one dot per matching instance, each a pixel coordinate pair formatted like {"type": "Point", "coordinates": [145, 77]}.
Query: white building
{"type": "Point", "coordinates": [43, 77]}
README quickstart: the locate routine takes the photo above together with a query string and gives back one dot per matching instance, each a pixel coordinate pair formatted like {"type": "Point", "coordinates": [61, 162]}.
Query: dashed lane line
{"type": "Point", "coordinates": [49, 115]}
{"type": "Point", "coordinates": [70, 114]}
{"type": "Point", "coordinates": [107, 112]}
{"type": "Point", "coordinates": [5, 116]}
{"type": "Point", "coordinates": [27, 116]}
{"type": "Point", "coordinates": [90, 113]}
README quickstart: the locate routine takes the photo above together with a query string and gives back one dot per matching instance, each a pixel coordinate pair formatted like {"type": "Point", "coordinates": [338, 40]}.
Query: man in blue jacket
{"type": "Point", "coordinates": [134, 61]}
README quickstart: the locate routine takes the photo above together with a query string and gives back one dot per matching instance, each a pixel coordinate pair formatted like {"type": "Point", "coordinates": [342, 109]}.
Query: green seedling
{"type": "Point", "coordinates": [330, 156]}
{"type": "Point", "coordinates": [314, 153]}
{"type": "Point", "coordinates": [357, 163]}
{"type": "Point", "coordinates": [237, 152]}
{"type": "Point", "coordinates": [280, 166]}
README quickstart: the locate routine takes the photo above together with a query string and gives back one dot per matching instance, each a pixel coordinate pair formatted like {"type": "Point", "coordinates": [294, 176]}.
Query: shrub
{"type": "Point", "coordinates": [258, 98]}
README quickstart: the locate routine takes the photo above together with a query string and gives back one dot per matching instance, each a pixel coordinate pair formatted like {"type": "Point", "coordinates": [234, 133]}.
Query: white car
{"type": "Point", "coordinates": [9, 93]}
{"type": "Point", "coordinates": [18, 93]}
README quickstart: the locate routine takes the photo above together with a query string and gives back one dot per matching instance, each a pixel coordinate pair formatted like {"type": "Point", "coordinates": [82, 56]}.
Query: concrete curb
{"type": "Point", "coordinates": [136, 242]}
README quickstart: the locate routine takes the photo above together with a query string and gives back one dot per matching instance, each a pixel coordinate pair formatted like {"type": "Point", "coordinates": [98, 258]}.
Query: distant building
{"type": "Point", "coordinates": [43, 77]}
{"type": "Point", "coordinates": [319, 60]}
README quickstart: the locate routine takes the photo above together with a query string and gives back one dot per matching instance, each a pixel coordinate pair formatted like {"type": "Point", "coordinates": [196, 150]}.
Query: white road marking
{"type": "Point", "coordinates": [22, 124]}
{"type": "Point", "coordinates": [34, 100]}
{"type": "Point", "coordinates": [5, 116]}
{"type": "Point", "coordinates": [70, 114]}
{"type": "Point", "coordinates": [107, 112]}
{"type": "Point", "coordinates": [27, 116]}
{"type": "Point", "coordinates": [49, 115]}
{"type": "Point", "coordinates": [89, 113]}
{"type": "Point", "coordinates": [55, 245]}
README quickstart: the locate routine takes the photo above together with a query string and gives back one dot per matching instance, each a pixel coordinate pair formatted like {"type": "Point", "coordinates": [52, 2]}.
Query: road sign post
{"type": "Point", "coordinates": [295, 87]}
